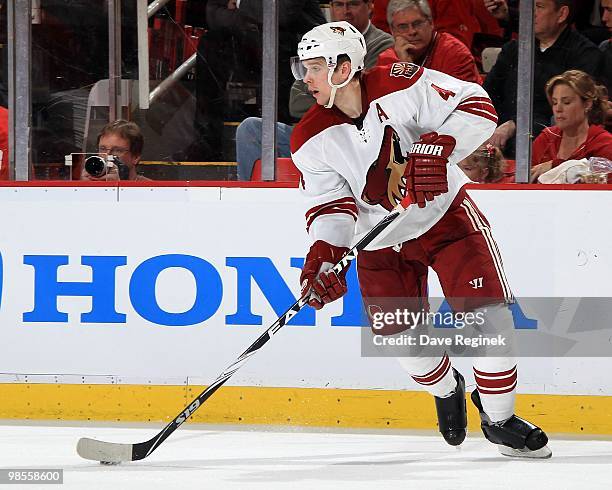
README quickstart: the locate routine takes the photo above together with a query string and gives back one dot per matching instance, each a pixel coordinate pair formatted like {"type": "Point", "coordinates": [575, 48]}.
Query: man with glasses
{"type": "Point", "coordinates": [123, 140]}
{"type": "Point", "coordinates": [416, 41]}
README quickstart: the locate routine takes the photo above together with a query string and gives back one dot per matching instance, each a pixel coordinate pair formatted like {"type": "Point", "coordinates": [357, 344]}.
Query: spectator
{"type": "Point", "coordinates": [558, 48]}
{"type": "Point", "coordinates": [488, 24]}
{"type": "Point", "coordinates": [506, 13]}
{"type": "Point", "coordinates": [579, 106]}
{"type": "Point", "coordinates": [489, 34]}
{"type": "Point", "coordinates": [4, 158]}
{"type": "Point", "coordinates": [606, 15]}
{"type": "Point", "coordinates": [123, 140]}
{"type": "Point", "coordinates": [456, 17]}
{"type": "Point", "coordinates": [416, 41]}
{"type": "Point", "coordinates": [248, 134]}
{"type": "Point", "coordinates": [487, 166]}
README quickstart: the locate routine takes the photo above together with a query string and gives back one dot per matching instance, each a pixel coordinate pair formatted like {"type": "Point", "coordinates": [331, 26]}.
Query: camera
{"type": "Point", "coordinates": [95, 164]}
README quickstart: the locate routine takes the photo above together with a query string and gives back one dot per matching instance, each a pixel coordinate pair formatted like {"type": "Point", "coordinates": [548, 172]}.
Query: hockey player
{"type": "Point", "coordinates": [371, 139]}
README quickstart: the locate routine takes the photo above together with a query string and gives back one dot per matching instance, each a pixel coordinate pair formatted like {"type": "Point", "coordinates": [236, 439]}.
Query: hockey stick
{"type": "Point", "coordinates": [112, 453]}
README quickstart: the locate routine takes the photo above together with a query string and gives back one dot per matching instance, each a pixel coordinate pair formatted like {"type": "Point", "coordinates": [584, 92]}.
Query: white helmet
{"type": "Point", "coordinates": [329, 41]}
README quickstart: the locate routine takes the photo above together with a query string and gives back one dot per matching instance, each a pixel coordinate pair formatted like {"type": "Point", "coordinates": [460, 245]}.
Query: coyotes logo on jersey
{"type": "Point", "coordinates": [403, 69]}
{"type": "Point", "coordinates": [385, 178]}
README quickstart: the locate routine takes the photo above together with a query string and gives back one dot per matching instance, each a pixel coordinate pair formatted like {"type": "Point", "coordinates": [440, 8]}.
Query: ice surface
{"type": "Point", "coordinates": [238, 458]}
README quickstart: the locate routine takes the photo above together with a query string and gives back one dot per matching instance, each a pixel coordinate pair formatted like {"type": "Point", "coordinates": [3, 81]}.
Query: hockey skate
{"type": "Point", "coordinates": [514, 437]}
{"type": "Point", "coordinates": [452, 415]}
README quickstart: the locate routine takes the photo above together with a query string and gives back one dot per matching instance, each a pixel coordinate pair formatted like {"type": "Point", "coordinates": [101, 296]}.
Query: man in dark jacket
{"type": "Point", "coordinates": [558, 48]}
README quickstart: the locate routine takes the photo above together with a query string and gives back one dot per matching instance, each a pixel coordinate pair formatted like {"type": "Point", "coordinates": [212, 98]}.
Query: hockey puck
{"type": "Point", "coordinates": [109, 463]}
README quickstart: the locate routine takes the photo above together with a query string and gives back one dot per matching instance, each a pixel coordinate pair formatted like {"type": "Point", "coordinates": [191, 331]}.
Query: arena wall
{"type": "Point", "coordinates": [120, 303]}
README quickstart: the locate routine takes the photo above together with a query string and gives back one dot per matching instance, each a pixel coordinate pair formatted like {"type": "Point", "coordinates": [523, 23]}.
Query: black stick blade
{"type": "Point", "coordinates": [105, 452]}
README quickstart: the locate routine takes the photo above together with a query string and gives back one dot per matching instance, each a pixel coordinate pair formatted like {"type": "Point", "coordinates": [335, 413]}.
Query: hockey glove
{"type": "Point", "coordinates": [426, 174]}
{"type": "Point", "coordinates": [324, 286]}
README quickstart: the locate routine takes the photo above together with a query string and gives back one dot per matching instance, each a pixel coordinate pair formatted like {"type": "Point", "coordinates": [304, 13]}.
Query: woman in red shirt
{"type": "Point", "coordinates": [579, 107]}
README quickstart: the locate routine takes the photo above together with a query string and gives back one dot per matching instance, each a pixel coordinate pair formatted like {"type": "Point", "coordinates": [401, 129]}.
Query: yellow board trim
{"type": "Point", "coordinates": [316, 407]}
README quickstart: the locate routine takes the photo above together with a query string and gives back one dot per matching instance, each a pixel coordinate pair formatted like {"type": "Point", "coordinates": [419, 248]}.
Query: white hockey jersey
{"type": "Point", "coordinates": [352, 169]}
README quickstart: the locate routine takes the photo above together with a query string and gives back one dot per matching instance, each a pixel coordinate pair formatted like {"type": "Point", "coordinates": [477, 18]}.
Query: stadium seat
{"type": "Point", "coordinates": [286, 171]}
{"type": "Point", "coordinates": [489, 58]}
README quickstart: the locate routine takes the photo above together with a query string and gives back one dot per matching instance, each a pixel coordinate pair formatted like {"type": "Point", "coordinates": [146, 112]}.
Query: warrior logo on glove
{"type": "Point", "coordinates": [422, 174]}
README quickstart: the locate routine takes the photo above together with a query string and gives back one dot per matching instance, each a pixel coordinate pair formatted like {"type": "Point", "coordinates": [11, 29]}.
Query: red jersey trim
{"type": "Point", "coordinates": [485, 391]}
{"type": "Point", "coordinates": [436, 374]}
{"type": "Point", "coordinates": [499, 374]}
{"type": "Point", "coordinates": [345, 205]}
{"type": "Point", "coordinates": [479, 106]}
{"type": "Point", "coordinates": [477, 112]}
{"type": "Point", "coordinates": [496, 383]}
{"type": "Point", "coordinates": [316, 120]}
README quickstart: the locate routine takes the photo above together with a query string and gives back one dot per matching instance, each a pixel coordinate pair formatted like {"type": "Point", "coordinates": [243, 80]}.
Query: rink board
{"type": "Point", "coordinates": [304, 407]}
{"type": "Point", "coordinates": [187, 277]}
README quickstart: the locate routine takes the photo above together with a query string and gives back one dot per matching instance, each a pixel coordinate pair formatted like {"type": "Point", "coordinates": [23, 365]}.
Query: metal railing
{"type": "Point", "coordinates": [524, 98]}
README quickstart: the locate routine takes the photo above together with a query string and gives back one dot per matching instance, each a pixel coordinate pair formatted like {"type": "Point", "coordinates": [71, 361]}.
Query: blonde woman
{"type": "Point", "coordinates": [579, 106]}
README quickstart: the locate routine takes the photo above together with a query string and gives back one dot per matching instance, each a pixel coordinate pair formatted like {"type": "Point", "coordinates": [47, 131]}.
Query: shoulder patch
{"type": "Point", "coordinates": [403, 69]}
